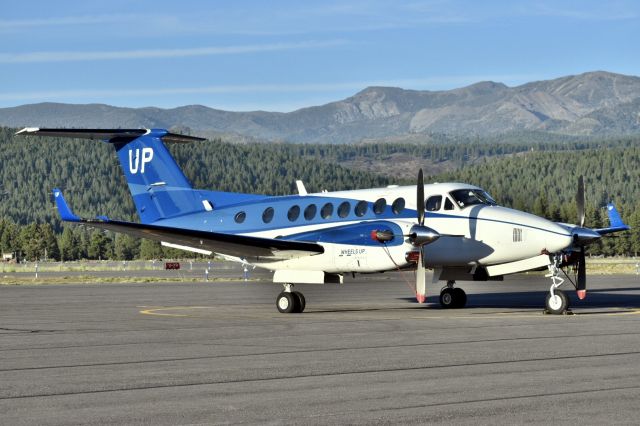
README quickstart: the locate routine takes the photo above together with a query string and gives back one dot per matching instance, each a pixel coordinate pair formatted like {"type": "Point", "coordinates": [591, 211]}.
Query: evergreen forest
{"type": "Point", "coordinates": [527, 174]}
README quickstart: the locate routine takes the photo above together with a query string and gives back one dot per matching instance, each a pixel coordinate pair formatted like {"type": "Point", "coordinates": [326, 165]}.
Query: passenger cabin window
{"type": "Point", "coordinates": [379, 206]}
{"type": "Point", "coordinates": [361, 208]}
{"type": "Point", "coordinates": [433, 203]}
{"type": "Point", "coordinates": [267, 215]}
{"type": "Point", "coordinates": [448, 204]}
{"type": "Point", "coordinates": [344, 209]}
{"type": "Point", "coordinates": [397, 206]}
{"type": "Point", "coordinates": [240, 217]}
{"type": "Point", "coordinates": [294, 213]}
{"type": "Point", "coordinates": [310, 211]}
{"type": "Point", "coordinates": [470, 197]}
{"type": "Point", "coordinates": [326, 211]}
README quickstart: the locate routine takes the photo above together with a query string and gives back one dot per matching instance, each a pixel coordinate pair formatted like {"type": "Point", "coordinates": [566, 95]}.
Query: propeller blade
{"type": "Point", "coordinates": [582, 276]}
{"type": "Point", "coordinates": [420, 198]}
{"type": "Point", "coordinates": [421, 285]}
{"type": "Point", "coordinates": [580, 201]}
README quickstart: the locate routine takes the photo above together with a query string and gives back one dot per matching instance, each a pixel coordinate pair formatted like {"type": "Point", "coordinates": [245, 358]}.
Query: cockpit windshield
{"type": "Point", "coordinates": [470, 197]}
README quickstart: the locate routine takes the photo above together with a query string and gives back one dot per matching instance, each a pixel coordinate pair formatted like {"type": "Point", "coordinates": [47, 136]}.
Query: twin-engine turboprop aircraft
{"type": "Point", "coordinates": [456, 229]}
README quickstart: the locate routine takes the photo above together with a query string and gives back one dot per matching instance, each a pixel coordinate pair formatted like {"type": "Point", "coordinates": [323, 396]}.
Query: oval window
{"type": "Point", "coordinates": [294, 213]}
{"type": "Point", "coordinates": [379, 206]}
{"type": "Point", "coordinates": [327, 211]}
{"type": "Point", "coordinates": [310, 211]}
{"type": "Point", "coordinates": [267, 215]}
{"type": "Point", "coordinates": [361, 208]}
{"type": "Point", "coordinates": [397, 206]}
{"type": "Point", "coordinates": [240, 217]}
{"type": "Point", "coordinates": [344, 209]}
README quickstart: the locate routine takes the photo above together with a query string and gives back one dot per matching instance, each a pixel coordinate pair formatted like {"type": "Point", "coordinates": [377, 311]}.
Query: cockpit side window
{"type": "Point", "coordinates": [448, 204]}
{"type": "Point", "coordinates": [433, 203]}
{"type": "Point", "coordinates": [471, 197]}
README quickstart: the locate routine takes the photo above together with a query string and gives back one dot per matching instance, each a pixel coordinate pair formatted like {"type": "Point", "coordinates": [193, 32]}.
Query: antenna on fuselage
{"type": "Point", "coordinates": [301, 189]}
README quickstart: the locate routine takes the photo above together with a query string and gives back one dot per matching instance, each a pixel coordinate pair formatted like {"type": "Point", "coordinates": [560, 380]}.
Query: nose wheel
{"type": "Point", "coordinates": [557, 302]}
{"type": "Point", "coordinates": [452, 297]}
{"type": "Point", "coordinates": [290, 302]}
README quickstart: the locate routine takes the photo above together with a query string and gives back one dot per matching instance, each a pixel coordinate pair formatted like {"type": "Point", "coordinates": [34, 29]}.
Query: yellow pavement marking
{"type": "Point", "coordinates": [155, 310]}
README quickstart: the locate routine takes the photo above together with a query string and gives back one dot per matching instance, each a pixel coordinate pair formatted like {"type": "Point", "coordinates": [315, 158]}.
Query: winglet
{"type": "Point", "coordinates": [63, 208]}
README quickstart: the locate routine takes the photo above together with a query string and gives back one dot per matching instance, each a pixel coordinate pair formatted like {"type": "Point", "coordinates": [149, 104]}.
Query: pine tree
{"type": "Point", "coordinates": [150, 250]}
{"type": "Point", "coordinates": [69, 245]}
{"type": "Point", "coordinates": [126, 247]}
{"type": "Point", "coordinates": [100, 246]}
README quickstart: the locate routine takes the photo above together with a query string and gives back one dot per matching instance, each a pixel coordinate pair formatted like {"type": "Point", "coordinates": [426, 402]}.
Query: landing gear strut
{"type": "Point", "coordinates": [557, 302]}
{"type": "Point", "coordinates": [452, 297]}
{"type": "Point", "coordinates": [290, 301]}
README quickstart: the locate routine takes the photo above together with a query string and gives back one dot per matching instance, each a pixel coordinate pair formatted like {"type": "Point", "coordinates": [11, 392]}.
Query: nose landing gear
{"type": "Point", "coordinates": [557, 302]}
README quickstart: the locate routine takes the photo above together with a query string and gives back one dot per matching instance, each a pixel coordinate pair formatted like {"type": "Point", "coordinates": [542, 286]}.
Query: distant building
{"type": "Point", "coordinates": [7, 257]}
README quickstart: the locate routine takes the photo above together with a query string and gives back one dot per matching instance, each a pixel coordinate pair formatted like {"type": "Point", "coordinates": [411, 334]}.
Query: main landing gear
{"type": "Point", "coordinates": [557, 302]}
{"type": "Point", "coordinates": [452, 297]}
{"type": "Point", "coordinates": [290, 301]}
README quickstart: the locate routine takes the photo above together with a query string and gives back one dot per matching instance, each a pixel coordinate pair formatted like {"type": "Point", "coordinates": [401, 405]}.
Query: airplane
{"type": "Point", "coordinates": [456, 229]}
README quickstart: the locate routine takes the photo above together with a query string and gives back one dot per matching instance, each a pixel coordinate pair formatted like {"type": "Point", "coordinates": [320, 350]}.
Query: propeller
{"type": "Point", "coordinates": [421, 235]}
{"type": "Point", "coordinates": [580, 201]}
{"type": "Point", "coordinates": [581, 284]}
{"type": "Point", "coordinates": [420, 198]}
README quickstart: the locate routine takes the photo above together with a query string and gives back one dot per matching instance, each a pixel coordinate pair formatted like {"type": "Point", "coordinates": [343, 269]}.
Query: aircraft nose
{"type": "Point", "coordinates": [558, 239]}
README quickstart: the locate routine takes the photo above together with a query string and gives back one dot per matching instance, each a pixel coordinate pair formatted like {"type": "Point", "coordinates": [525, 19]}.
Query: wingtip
{"type": "Point", "coordinates": [28, 130]}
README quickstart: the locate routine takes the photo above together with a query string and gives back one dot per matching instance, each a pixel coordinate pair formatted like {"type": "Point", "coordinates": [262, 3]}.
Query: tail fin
{"type": "Point", "coordinates": [159, 188]}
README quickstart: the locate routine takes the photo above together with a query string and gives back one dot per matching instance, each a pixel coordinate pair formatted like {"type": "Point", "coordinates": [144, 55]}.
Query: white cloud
{"type": "Point", "coordinates": [64, 56]}
{"type": "Point", "coordinates": [15, 24]}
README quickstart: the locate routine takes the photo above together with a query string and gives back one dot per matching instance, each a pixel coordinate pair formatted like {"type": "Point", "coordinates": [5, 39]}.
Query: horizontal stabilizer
{"type": "Point", "coordinates": [615, 222]}
{"type": "Point", "coordinates": [107, 135]}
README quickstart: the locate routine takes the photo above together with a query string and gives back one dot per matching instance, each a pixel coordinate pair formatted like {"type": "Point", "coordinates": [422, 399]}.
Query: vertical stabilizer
{"type": "Point", "coordinates": [159, 188]}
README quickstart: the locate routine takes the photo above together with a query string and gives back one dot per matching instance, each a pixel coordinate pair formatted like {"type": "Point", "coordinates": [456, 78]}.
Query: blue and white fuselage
{"type": "Point", "coordinates": [480, 234]}
{"type": "Point", "coordinates": [456, 229]}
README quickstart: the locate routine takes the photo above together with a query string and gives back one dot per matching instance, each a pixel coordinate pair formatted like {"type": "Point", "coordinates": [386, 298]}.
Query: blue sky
{"type": "Point", "coordinates": [284, 55]}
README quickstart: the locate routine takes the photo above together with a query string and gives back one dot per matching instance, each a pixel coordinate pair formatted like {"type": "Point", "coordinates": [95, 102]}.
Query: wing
{"type": "Point", "coordinates": [229, 244]}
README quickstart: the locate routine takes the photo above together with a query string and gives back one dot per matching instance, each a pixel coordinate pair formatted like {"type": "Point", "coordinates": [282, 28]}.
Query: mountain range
{"type": "Point", "coordinates": [590, 104]}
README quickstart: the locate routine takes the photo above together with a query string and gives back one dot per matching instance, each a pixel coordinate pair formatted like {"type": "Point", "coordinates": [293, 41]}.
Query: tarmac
{"type": "Point", "coordinates": [184, 353]}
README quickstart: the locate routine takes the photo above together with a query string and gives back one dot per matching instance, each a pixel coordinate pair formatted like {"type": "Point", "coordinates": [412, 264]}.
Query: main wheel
{"type": "Point", "coordinates": [301, 301]}
{"type": "Point", "coordinates": [558, 304]}
{"type": "Point", "coordinates": [447, 298]}
{"type": "Point", "coordinates": [287, 303]}
{"type": "Point", "coordinates": [459, 298]}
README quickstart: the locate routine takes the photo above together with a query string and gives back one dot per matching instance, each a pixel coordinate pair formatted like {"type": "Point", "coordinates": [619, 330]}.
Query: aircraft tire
{"type": "Point", "coordinates": [447, 298]}
{"type": "Point", "coordinates": [287, 303]}
{"type": "Point", "coordinates": [557, 305]}
{"type": "Point", "coordinates": [302, 303]}
{"type": "Point", "coordinates": [459, 298]}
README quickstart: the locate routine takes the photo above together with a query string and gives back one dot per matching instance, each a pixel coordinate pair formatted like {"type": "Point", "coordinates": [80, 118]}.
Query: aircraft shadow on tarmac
{"type": "Point", "coordinates": [605, 298]}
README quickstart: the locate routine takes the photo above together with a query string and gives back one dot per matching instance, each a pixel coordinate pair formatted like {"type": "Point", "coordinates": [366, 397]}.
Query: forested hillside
{"type": "Point", "coordinates": [535, 176]}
